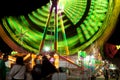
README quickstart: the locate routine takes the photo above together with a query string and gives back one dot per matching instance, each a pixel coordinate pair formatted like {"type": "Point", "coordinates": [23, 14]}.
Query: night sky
{"type": "Point", "coordinates": [19, 7]}
{"type": "Point", "coordinates": [4, 47]}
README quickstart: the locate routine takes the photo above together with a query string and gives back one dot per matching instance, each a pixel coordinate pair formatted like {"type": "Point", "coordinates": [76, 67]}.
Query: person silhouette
{"type": "Point", "coordinates": [47, 68]}
{"type": "Point", "coordinates": [18, 70]}
{"type": "Point", "coordinates": [2, 68]}
{"type": "Point", "coordinates": [106, 73]}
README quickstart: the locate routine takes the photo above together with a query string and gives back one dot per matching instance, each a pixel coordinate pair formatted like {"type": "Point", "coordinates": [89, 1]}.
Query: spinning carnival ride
{"type": "Point", "coordinates": [65, 26]}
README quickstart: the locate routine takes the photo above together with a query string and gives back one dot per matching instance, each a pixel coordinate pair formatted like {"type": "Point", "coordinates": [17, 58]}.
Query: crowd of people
{"type": "Point", "coordinates": [43, 69]}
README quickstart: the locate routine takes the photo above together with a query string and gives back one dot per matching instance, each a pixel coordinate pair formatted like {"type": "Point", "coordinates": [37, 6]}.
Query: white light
{"type": "Point", "coordinates": [87, 58]}
{"type": "Point", "coordinates": [47, 48]}
{"type": "Point", "coordinates": [92, 57]}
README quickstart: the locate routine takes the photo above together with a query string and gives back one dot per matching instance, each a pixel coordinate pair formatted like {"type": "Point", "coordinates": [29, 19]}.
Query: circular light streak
{"type": "Point", "coordinates": [80, 23]}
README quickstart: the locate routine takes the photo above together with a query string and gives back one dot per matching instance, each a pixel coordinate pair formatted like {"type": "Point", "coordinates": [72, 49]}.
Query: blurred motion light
{"type": "Point", "coordinates": [46, 48]}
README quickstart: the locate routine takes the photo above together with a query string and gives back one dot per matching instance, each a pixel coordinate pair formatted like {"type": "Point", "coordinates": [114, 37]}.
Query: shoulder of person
{"type": "Point", "coordinates": [1, 60]}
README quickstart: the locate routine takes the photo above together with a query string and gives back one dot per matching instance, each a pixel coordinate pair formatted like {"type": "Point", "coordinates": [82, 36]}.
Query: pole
{"type": "Point", "coordinates": [45, 30]}
{"type": "Point", "coordinates": [56, 26]}
{"type": "Point", "coordinates": [54, 4]}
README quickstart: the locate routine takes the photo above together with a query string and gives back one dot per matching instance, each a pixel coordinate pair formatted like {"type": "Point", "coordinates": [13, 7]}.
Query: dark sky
{"type": "Point", "coordinates": [4, 47]}
{"type": "Point", "coordinates": [19, 7]}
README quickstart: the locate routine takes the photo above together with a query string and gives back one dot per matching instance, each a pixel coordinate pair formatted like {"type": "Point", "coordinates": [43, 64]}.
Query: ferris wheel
{"type": "Point", "coordinates": [65, 26]}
